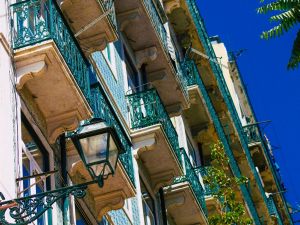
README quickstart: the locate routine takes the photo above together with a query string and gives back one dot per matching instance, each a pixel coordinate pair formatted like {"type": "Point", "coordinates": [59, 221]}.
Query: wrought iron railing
{"type": "Point", "coordinates": [273, 210]}
{"type": "Point", "coordinates": [146, 109]}
{"type": "Point", "coordinates": [195, 79]}
{"type": "Point", "coordinates": [35, 21]}
{"type": "Point", "coordinates": [203, 170]}
{"type": "Point", "coordinates": [181, 77]}
{"type": "Point", "coordinates": [156, 22]}
{"type": "Point", "coordinates": [252, 134]}
{"type": "Point", "coordinates": [102, 110]}
{"type": "Point", "coordinates": [191, 177]}
{"type": "Point", "coordinates": [109, 5]}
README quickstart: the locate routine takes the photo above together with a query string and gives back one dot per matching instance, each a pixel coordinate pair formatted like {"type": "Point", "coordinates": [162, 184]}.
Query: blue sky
{"type": "Point", "coordinates": [274, 91]}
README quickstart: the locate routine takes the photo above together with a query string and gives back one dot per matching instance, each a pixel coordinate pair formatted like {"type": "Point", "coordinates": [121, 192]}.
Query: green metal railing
{"type": "Point", "coordinates": [181, 77]}
{"type": "Point", "coordinates": [162, 33]}
{"type": "Point", "coordinates": [203, 170]}
{"type": "Point", "coordinates": [146, 109]}
{"type": "Point", "coordinates": [194, 78]}
{"type": "Point", "coordinates": [35, 21]}
{"type": "Point", "coordinates": [191, 176]}
{"type": "Point", "coordinates": [156, 22]}
{"type": "Point", "coordinates": [252, 134]}
{"type": "Point", "coordinates": [273, 210]}
{"type": "Point", "coordinates": [109, 5]}
{"type": "Point", "coordinates": [103, 110]}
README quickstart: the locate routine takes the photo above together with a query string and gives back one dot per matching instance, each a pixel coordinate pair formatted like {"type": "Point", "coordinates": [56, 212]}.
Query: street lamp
{"type": "Point", "coordinates": [98, 146]}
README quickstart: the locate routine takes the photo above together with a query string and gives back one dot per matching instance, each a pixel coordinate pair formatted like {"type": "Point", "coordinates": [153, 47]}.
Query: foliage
{"type": "Point", "coordinates": [288, 17]}
{"type": "Point", "coordinates": [222, 185]}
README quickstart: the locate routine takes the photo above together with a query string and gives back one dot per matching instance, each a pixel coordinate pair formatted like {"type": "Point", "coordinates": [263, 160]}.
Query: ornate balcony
{"type": "Point", "coordinates": [212, 203]}
{"type": "Point", "coordinates": [264, 160]}
{"type": "Point", "coordinates": [142, 23]}
{"type": "Point", "coordinates": [92, 21]}
{"type": "Point", "coordinates": [262, 157]}
{"type": "Point", "coordinates": [154, 138]}
{"type": "Point", "coordinates": [185, 200]}
{"type": "Point", "coordinates": [47, 58]}
{"type": "Point", "coordinates": [202, 120]}
{"type": "Point", "coordinates": [274, 212]}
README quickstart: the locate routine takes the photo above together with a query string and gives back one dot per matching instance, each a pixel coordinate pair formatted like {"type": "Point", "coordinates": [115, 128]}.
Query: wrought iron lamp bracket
{"type": "Point", "coordinates": [27, 209]}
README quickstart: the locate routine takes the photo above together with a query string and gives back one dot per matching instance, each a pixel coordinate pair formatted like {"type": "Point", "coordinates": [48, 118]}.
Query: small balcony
{"type": "Point", "coordinates": [264, 160]}
{"type": "Point", "coordinates": [47, 58]}
{"type": "Point", "coordinates": [185, 201]}
{"type": "Point", "coordinates": [92, 21]}
{"type": "Point", "coordinates": [262, 157]}
{"type": "Point", "coordinates": [142, 23]}
{"type": "Point", "coordinates": [154, 138]}
{"type": "Point", "coordinates": [198, 107]}
{"type": "Point", "coordinates": [274, 212]}
{"type": "Point", "coordinates": [212, 204]}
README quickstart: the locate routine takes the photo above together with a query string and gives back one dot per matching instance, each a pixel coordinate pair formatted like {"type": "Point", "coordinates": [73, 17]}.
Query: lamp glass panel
{"type": "Point", "coordinates": [113, 153]}
{"type": "Point", "coordinates": [98, 169]}
{"type": "Point", "coordinates": [94, 148]}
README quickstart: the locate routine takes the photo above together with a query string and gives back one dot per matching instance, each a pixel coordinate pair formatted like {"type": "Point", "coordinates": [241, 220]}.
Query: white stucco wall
{"type": "Point", "coordinates": [8, 111]}
{"type": "Point", "coordinates": [222, 55]}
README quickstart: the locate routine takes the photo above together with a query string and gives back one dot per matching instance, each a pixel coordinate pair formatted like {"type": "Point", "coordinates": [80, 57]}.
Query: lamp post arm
{"type": "Point", "coordinates": [27, 209]}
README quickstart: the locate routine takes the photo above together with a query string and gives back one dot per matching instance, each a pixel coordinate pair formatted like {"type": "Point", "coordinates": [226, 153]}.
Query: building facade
{"type": "Point", "coordinates": [149, 70]}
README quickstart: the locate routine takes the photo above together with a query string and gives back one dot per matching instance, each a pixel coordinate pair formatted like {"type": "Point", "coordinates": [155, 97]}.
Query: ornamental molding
{"type": "Point", "coordinates": [30, 70]}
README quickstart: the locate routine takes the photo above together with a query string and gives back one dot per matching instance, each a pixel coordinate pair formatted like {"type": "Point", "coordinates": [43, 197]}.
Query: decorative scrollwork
{"type": "Point", "coordinates": [28, 209]}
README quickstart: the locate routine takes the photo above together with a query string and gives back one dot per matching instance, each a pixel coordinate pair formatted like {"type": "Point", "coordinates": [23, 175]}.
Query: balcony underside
{"type": "Point", "coordinates": [41, 70]}
{"type": "Point", "coordinates": [256, 194]}
{"type": "Point", "coordinates": [261, 162]}
{"type": "Point", "coordinates": [156, 155]}
{"type": "Point", "coordinates": [111, 196]}
{"type": "Point", "coordinates": [196, 115]}
{"type": "Point", "coordinates": [212, 204]}
{"type": "Point", "coordinates": [186, 32]}
{"type": "Point", "coordinates": [182, 206]}
{"type": "Point", "coordinates": [79, 14]}
{"type": "Point", "coordinates": [149, 50]}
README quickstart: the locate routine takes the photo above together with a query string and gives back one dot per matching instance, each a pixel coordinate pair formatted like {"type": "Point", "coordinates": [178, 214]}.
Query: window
{"type": "Point", "coordinates": [148, 205]}
{"type": "Point", "coordinates": [35, 160]}
{"type": "Point", "coordinates": [132, 74]}
{"type": "Point", "coordinates": [80, 218]}
{"type": "Point", "coordinates": [109, 55]}
{"type": "Point", "coordinates": [192, 153]}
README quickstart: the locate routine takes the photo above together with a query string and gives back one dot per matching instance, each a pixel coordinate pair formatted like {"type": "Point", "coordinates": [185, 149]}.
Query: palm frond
{"type": "Point", "coordinates": [287, 15]}
{"type": "Point", "coordinates": [294, 60]}
{"type": "Point", "coordinates": [276, 31]}
{"type": "Point", "coordinates": [279, 5]}
{"type": "Point", "coordinates": [288, 18]}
